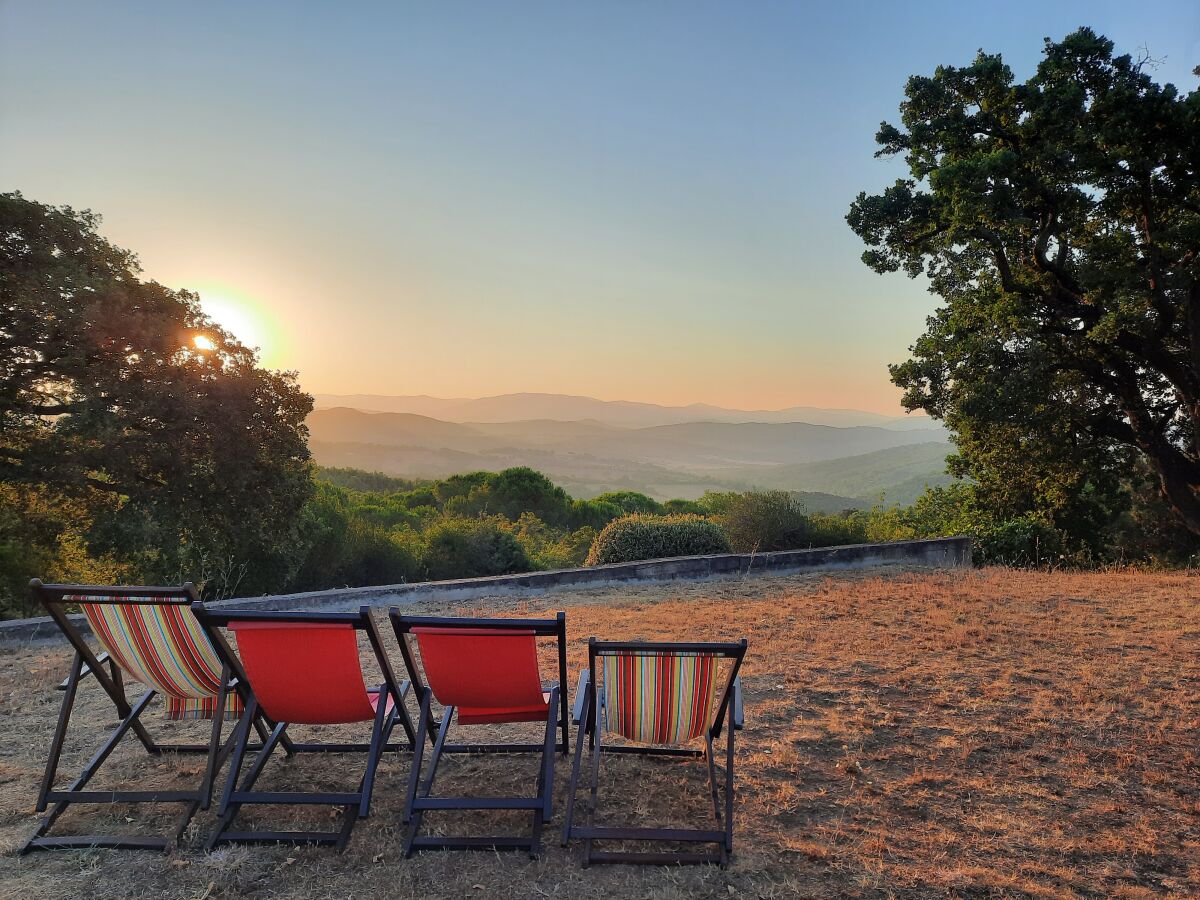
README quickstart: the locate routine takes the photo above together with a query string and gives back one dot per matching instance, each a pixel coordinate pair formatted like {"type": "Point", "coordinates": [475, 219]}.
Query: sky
{"type": "Point", "coordinates": [627, 200]}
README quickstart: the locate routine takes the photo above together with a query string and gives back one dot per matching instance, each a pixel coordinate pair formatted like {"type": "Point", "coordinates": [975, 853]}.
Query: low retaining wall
{"type": "Point", "coordinates": [954, 552]}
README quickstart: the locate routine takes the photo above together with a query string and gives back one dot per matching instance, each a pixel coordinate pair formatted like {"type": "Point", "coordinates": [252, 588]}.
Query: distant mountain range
{"type": "Point", "coordinates": [506, 408]}
{"type": "Point", "coordinates": [835, 466]}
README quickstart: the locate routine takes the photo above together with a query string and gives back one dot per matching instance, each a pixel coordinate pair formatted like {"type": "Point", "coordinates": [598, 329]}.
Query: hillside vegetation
{"type": "Point", "coordinates": [898, 475]}
{"type": "Point", "coordinates": [684, 459]}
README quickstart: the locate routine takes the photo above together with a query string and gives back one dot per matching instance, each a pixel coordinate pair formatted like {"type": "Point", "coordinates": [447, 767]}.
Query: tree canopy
{"type": "Point", "coordinates": [184, 456]}
{"type": "Point", "coordinates": [1059, 220]}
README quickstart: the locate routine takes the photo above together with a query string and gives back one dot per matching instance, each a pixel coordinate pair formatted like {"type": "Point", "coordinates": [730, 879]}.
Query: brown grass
{"type": "Point", "coordinates": [991, 733]}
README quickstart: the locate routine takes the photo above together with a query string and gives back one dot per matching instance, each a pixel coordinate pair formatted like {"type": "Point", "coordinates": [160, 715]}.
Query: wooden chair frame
{"type": "Point", "coordinates": [590, 705]}
{"type": "Point", "coordinates": [418, 799]}
{"type": "Point", "coordinates": [356, 804]}
{"type": "Point", "coordinates": [109, 676]}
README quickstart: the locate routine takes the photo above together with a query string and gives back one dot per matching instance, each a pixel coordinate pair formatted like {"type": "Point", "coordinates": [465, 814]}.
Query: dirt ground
{"type": "Point", "coordinates": [910, 734]}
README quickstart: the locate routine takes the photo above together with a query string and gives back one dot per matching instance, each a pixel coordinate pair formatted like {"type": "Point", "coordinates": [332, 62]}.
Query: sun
{"type": "Point", "coordinates": [235, 317]}
{"type": "Point", "coordinates": [248, 319]}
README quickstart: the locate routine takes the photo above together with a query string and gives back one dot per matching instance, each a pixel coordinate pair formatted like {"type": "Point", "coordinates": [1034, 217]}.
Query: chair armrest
{"type": "Point", "coordinates": [739, 712]}
{"type": "Point", "coordinates": [580, 692]}
{"type": "Point", "coordinates": [85, 672]}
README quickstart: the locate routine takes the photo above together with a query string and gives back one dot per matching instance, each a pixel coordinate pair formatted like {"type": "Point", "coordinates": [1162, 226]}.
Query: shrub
{"type": "Point", "coordinates": [654, 537]}
{"type": "Point", "coordinates": [834, 529]}
{"type": "Point", "coordinates": [631, 501]}
{"type": "Point", "coordinates": [760, 521]}
{"type": "Point", "coordinates": [468, 548]}
{"type": "Point", "coordinates": [594, 513]}
{"type": "Point", "coordinates": [1023, 541]}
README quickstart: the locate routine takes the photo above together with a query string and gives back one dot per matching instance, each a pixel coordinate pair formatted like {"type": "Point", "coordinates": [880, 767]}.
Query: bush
{"type": "Point", "coordinates": [594, 513]}
{"type": "Point", "coordinates": [342, 549]}
{"type": "Point", "coordinates": [1023, 541]}
{"type": "Point", "coordinates": [469, 548]}
{"type": "Point", "coordinates": [655, 537]}
{"type": "Point", "coordinates": [631, 501]}
{"type": "Point", "coordinates": [760, 521]}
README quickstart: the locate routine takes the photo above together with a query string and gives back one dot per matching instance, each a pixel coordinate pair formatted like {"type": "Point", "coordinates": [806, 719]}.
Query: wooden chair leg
{"type": "Point", "coordinates": [414, 773]}
{"type": "Point", "coordinates": [729, 789]}
{"type": "Point", "coordinates": [379, 735]}
{"type": "Point", "coordinates": [60, 731]}
{"type": "Point", "coordinates": [545, 778]}
{"type": "Point", "coordinates": [229, 803]}
{"type": "Point", "coordinates": [241, 739]}
{"type": "Point", "coordinates": [214, 743]}
{"type": "Point", "coordinates": [414, 823]}
{"type": "Point", "coordinates": [597, 746]}
{"type": "Point", "coordinates": [580, 738]}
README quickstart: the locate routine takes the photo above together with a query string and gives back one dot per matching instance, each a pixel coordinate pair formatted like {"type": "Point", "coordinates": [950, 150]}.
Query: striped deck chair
{"type": "Point", "coordinates": [303, 669]}
{"type": "Point", "coordinates": [485, 672]}
{"type": "Point", "coordinates": [148, 635]}
{"type": "Point", "coordinates": [657, 699]}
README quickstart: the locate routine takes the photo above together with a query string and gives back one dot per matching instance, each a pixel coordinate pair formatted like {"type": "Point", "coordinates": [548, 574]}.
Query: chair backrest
{"type": "Point", "coordinates": [302, 668]}
{"type": "Point", "coordinates": [664, 693]}
{"type": "Point", "coordinates": [150, 633]}
{"type": "Point", "coordinates": [479, 663]}
{"type": "Point", "coordinates": [481, 667]}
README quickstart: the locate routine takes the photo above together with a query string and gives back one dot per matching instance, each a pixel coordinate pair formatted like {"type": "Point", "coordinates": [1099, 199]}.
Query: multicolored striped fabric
{"type": "Point", "coordinates": [163, 646]}
{"type": "Point", "coordinates": [659, 698]}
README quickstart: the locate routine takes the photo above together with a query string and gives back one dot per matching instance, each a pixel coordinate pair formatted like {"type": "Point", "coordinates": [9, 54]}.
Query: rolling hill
{"type": "Point", "coordinates": [900, 474]}
{"type": "Point", "coordinates": [836, 467]}
{"type": "Point", "coordinates": [506, 408]}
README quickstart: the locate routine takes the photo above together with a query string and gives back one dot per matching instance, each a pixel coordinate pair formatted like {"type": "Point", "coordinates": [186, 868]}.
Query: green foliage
{"type": "Point", "coordinates": [552, 548]}
{"type": "Point", "coordinates": [683, 507]}
{"type": "Point", "coordinates": [593, 513]}
{"type": "Point", "coordinates": [358, 480]}
{"type": "Point", "coordinates": [469, 548]}
{"type": "Point", "coordinates": [631, 501]}
{"type": "Point", "coordinates": [1058, 219]}
{"type": "Point", "coordinates": [512, 492]}
{"type": "Point", "coordinates": [637, 537]}
{"type": "Point", "coordinates": [760, 521]}
{"type": "Point", "coordinates": [345, 549]}
{"type": "Point", "coordinates": [180, 460]}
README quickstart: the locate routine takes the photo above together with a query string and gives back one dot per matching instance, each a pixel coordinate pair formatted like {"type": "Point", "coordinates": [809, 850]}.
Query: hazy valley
{"type": "Point", "coordinates": [590, 446]}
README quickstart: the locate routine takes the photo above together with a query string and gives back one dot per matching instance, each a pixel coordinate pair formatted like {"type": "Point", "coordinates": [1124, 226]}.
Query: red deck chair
{"type": "Point", "coordinates": [657, 698]}
{"type": "Point", "coordinates": [303, 669]}
{"type": "Point", "coordinates": [486, 671]}
{"type": "Point", "coordinates": [148, 635]}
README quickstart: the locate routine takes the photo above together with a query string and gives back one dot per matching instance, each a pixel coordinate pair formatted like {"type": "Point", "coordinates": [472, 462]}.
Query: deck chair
{"type": "Point", "coordinates": [303, 669]}
{"type": "Point", "coordinates": [148, 635]}
{"type": "Point", "coordinates": [658, 698]}
{"type": "Point", "coordinates": [486, 671]}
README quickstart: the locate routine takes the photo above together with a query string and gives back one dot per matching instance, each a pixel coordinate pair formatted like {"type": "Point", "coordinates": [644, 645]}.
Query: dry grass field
{"type": "Point", "coordinates": [986, 733]}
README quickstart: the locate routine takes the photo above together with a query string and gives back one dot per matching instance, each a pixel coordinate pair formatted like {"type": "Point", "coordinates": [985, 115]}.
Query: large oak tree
{"type": "Point", "coordinates": [1059, 220]}
{"type": "Point", "coordinates": [120, 394]}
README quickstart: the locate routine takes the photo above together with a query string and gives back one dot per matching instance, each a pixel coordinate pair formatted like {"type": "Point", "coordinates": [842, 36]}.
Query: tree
{"type": "Point", "coordinates": [631, 501]}
{"type": "Point", "coordinates": [1059, 220]}
{"type": "Point", "coordinates": [760, 521]}
{"type": "Point", "coordinates": [120, 394]}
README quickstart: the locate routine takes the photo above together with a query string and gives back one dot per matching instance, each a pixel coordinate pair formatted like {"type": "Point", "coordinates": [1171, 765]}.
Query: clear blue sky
{"type": "Point", "coordinates": [628, 200]}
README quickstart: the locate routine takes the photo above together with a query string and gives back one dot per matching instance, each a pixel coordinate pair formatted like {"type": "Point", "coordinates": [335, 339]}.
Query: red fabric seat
{"type": "Point", "coordinates": [468, 715]}
{"type": "Point", "coordinates": [306, 673]}
{"type": "Point", "coordinates": [490, 675]}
